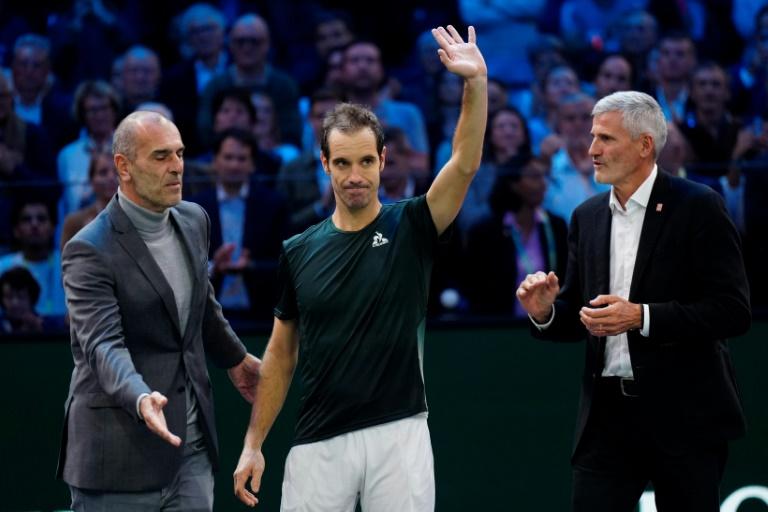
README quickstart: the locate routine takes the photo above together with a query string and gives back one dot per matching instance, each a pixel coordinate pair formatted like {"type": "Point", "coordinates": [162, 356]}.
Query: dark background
{"type": "Point", "coordinates": [502, 408]}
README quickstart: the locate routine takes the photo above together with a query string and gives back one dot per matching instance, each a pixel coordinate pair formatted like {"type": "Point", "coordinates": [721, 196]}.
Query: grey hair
{"type": "Point", "coordinates": [641, 114]}
{"type": "Point", "coordinates": [201, 11]}
{"type": "Point", "coordinates": [124, 139]}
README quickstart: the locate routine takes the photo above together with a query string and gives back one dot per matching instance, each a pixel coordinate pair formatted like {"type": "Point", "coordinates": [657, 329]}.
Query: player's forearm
{"type": "Point", "coordinates": [275, 378]}
{"type": "Point", "coordinates": [470, 128]}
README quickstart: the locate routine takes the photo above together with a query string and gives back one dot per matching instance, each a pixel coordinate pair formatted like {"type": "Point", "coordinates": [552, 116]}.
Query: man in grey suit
{"type": "Point", "coordinates": [139, 429]}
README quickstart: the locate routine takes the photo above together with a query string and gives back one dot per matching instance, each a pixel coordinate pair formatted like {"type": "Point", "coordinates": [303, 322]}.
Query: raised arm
{"type": "Point", "coordinates": [279, 363]}
{"type": "Point", "coordinates": [447, 192]}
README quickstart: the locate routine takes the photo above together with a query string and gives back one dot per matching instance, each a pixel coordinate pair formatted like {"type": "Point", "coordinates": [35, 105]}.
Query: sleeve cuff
{"type": "Point", "coordinates": [646, 330]}
{"type": "Point", "coordinates": [541, 327]}
{"type": "Point", "coordinates": [138, 409]}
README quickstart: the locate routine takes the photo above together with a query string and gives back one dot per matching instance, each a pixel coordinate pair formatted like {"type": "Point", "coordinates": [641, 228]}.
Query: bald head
{"type": "Point", "coordinates": [149, 158]}
{"type": "Point", "coordinates": [250, 22]}
{"type": "Point", "coordinates": [125, 139]}
{"type": "Point", "coordinates": [249, 43]}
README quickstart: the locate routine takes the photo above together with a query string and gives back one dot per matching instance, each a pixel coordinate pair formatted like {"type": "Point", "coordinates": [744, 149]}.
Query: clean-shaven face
{"type": "Point", "coordinates": [354, 166]}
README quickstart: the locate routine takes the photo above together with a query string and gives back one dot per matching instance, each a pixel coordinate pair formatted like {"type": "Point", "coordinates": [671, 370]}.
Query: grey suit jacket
{"type": "Point", "coordinates": [126, 340]}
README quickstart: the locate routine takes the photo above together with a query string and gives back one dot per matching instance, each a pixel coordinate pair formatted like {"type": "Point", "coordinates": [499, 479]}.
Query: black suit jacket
{"type": "Point", "coordinates": [265, 228]}
{"type": "Point", "coordinates": [126, 341]}
{"type": "Point", "coordinates": [689, 270]}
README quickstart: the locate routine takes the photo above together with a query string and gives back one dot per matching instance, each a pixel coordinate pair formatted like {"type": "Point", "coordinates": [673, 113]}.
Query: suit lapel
{"type": "Point", "coordinates": [655, 217]}
{"type": "Point", "coordinates": [601, 260]}
{"type": "Point", "coordinates": [190, 237]}
{"type": "Point", "coordinates": [130, 240]}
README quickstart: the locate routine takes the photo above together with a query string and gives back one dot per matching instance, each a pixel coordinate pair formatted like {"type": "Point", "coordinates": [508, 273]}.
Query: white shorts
{"type": "Point", "coordinates": [388, 466]}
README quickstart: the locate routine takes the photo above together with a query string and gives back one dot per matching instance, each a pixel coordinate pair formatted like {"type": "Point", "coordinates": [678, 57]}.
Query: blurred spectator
{"type": "Point", "coordinates": [334, 69]}
{"type": "Point", "coordinates": [749, 78]}
{"type": "Point", "coordinates": [498, 97]}
{"type": "Point", "coordinates": [559, 82]}
{"type": "Point", "coordinates": [25, 160]}
{"type": "Point", "coordinates": [676, 61]}
{"type": "Point", "coordinates": [96, 107]}
{"type": "Point", "coordinates": [518, 238]}
{"type": "Point", "coordinates": [544, 54]}
{"type": "Point", "coordinates": [332, 30]}
{"type": "Point", "coordinates": [102, 177]}
{"type": "Point", "coordinates": [33, 230]}
{"type": "Point", "coordinates": [507, 143]}
{"type": "Point", "coordinates": [86, 36]}
{"type": "Point", "coordinates": [19, 292]}
{"type": "Point", "coordinates": [202, 29]}
{"type": "Point", "coordinates": [636, 34]}
{"type": "Point", "coordinates": [573, 176]}
{"type": "Point", "coordinates": [363, 74]}
{"type": "Point", "coordinates": [248, 225]}
{"type": "Point", "coordinates": [675, 153]}
{"type": "Point", "coordinates": [267, 130]}
{"type": "Point", "coordinates": [712, 133]}
{"type": "Point", "coordinates": [708, 22]}
{"type": "Point", "coordinates": [303, 182]}
{"type": "Point", "coordinates": [233, 108]}
{"type": "Point", "coordinates": [421, 85]}
{"type": "Point", "coordinates": [505, 28]}
{"type": "Point", "coordinates": [613, 75]}
{"type": "Point", "coordinates": [744, 14]}
{"type": "Point", "coordinates": [249, 43]}
{"type": "Point", "coordinates": [38, 100]}
{"type": "Point", "coordinates": [586, 24]}
{"type": "Point", "coordinates": [448, 95]}
{"type": "Point", "coordinates": [140, 77]}
{"type": "Point", "coordinates": [398, 180]}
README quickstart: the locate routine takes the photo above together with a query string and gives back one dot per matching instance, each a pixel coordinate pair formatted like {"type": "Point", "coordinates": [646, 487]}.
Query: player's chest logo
{"type": "Point", "coordinates": [379, 240]}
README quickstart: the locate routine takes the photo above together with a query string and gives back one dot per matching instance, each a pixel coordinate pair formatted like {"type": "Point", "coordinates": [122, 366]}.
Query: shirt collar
{"type": "Point", "coordinates": [222, 195]}
{"type": "Point", "coordinates": [221, 65]}
{"type": "Point", "coordinates": [510, 219]}
{"type": "Point", "coordinates": [641, 196]}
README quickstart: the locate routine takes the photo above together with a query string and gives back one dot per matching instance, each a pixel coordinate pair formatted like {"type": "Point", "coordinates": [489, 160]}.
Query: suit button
{"type": "Point", "coordinates": [180, 389]}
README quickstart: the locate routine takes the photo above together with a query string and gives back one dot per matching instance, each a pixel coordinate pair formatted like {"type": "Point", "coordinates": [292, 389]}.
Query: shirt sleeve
{"type": "Point", "coordinates": [286, 307]}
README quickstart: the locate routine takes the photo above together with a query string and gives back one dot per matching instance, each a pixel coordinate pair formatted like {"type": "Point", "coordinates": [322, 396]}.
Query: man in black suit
{"type": "Point", "coordinates": [139, 431]}
{"type": "Point", "coordinates": [655, 282]}
{"type": "Point", "coordinates": [248, 224]}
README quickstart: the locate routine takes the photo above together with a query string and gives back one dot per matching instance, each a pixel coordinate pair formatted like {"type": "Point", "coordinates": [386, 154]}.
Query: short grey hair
{"type": "Point", "coordinates": [641, 114]}
{"type": "Point", "coordinates": [201, 12]}
{"type": "Point", "coordinates": [124, 139]}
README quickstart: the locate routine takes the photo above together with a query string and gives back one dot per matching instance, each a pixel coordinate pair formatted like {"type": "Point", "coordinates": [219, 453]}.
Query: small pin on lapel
{"type": "Point", "coordinates": [659, 206]}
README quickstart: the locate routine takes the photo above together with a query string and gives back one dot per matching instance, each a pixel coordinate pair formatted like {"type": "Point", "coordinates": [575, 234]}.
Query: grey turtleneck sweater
{"type": "Point", "coordinates": [167, 249]}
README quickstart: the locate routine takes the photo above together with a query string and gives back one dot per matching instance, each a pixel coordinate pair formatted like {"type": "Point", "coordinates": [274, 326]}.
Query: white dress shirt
{"type": "Point", "coordinates": [626, 226]}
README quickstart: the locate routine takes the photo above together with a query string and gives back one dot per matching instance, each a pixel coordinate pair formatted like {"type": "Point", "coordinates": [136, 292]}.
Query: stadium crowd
{"type": "Point", "coordinates": [248, 84]}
